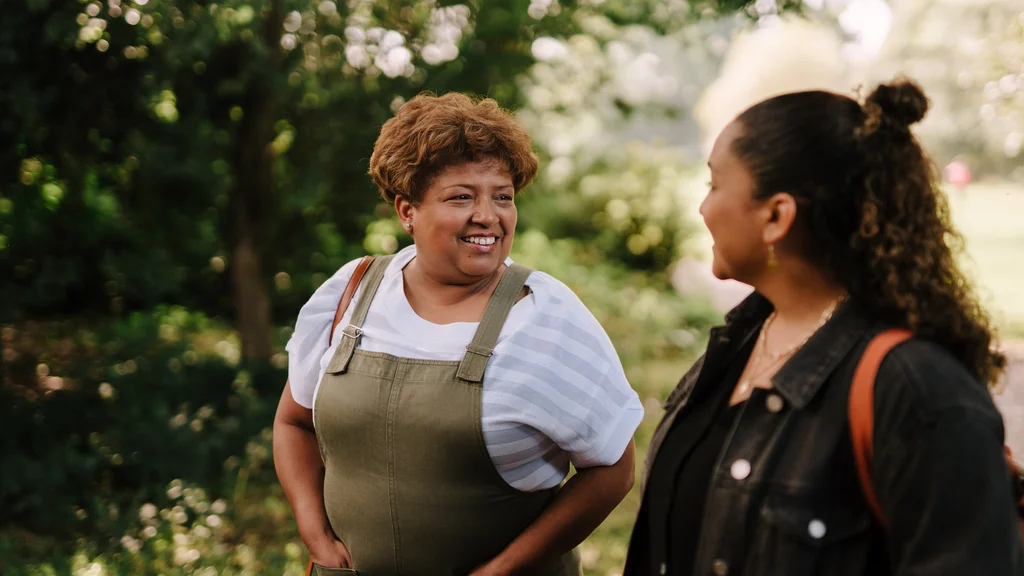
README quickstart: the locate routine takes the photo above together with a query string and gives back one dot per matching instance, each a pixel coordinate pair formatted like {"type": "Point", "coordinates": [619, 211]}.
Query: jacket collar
{"type": "Point", "coordinates": [803, 375]}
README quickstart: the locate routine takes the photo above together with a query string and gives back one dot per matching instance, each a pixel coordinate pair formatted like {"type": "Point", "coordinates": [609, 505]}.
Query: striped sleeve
{"type": "Point", "coordinates": [559, 375]}
{"type": "Point", "coordinates": [309, 341]}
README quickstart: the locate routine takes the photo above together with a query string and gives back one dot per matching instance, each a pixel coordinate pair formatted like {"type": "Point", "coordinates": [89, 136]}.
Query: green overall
{"type": "Point", "coordinates": [410, 487]}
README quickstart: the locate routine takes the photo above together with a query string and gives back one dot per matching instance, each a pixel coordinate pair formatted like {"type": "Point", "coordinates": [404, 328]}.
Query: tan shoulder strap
{"type": "Point", "coordinates": [350, 290]}
{"type": "Point", "coordinates": [862, 410]}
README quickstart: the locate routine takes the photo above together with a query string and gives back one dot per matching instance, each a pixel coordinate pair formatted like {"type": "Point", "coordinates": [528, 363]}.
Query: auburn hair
{"type": "Point", "coordinates": [430, 133]}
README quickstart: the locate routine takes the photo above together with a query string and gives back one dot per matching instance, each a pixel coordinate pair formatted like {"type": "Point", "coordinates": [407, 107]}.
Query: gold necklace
{"type": "Point", "coordinates": [775, 358]}
{"type": "Point", "coordinates": [762, 338]}
{"type": "Point", "coordinates": [746, 383]}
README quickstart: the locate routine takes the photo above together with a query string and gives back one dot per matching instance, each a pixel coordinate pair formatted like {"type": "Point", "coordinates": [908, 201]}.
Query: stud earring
{"type": "Point", "coordinates": [408, 225]}
{"type": "Point", "coordinates": [773, 260]}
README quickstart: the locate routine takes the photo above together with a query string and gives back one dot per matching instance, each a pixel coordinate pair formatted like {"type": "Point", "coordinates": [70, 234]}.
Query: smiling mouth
{"type": "Point", "coordinates": [480, 240]}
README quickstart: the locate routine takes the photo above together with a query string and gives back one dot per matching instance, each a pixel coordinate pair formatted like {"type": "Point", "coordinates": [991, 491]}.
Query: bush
{"type": "Point", "coordinates": [642, 315]}
{"type": "Point", "coordinates": [97, 420]}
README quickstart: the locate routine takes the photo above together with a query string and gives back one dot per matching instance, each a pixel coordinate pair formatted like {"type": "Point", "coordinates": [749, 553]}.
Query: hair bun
{"type": "Point", "coordinates": [902, 102]}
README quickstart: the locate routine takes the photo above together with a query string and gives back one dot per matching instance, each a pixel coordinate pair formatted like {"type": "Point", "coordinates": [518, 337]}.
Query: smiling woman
{"type": "Point", "coordinates": [432, 433]}
{"type": "Point", "coordinates": [465, 222]}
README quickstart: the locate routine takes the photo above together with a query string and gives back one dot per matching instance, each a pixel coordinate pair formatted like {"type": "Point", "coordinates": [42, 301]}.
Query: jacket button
{"type": "Point", "coordinates": [740, 469]}
{"type": "Point", "coordinates": [720, 568]}
{"type": "Point", "coordinates": [816, 528]}
{"type": "Point", "coordinates": [774, 403]}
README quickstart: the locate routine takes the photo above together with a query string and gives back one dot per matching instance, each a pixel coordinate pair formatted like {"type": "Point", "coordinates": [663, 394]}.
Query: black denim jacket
{"type": "Point", "coordinates": [793, 505]}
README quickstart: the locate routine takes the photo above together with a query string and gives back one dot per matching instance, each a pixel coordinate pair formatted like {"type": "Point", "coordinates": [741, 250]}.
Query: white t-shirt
{"type": "Point", "coordinates": [553, 391]}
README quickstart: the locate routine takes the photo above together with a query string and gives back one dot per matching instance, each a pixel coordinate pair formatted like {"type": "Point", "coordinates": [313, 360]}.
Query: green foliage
{"type": "Point", "coordinates": [626, 209]}
{"type": "Point", "coordinates": [137, 403]}
{"type": "Point", "coordinates": [137, 149]}
{"type": "Point", "coordinates": [187, 533]}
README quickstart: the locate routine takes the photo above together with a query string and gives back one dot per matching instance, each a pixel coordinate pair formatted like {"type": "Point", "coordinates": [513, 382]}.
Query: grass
{"type": "Point", "coordinates": [990, 218]}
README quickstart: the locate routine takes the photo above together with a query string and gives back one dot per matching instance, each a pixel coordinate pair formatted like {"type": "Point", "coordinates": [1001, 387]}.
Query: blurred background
{"type": "Point", "coordinates": [178, 176]}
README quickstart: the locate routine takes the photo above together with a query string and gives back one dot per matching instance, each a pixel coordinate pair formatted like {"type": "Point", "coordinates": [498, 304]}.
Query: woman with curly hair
{"type": "Point", "coordinates": [831, 211]}
{"type": "Point", "coordinates": [427, 428]}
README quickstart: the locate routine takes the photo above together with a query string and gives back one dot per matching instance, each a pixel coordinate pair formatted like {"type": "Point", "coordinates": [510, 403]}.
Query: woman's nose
{"type": "Point", "coordinates": [485, 214]}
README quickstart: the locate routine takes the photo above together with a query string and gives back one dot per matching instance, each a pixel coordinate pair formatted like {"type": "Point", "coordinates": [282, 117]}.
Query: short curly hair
{"type": "Point", "coordinates": [869, 196]}
{"type": "Point", "coordinates": [430, 133]}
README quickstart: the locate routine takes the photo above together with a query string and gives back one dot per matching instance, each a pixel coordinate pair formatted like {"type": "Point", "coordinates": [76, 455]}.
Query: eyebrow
{"type": "Point", "coordinates": [472, 187]}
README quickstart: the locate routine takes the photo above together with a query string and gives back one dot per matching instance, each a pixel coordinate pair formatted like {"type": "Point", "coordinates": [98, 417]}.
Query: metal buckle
{"type": "Point", "coordinates": [355, 332]}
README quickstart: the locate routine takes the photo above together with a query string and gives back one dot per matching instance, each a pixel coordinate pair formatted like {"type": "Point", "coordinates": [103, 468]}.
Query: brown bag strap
{"type": "Point", "coordinates": [350, 290]}
{"type": "Point", "coordinates": [862, 410]}
{"type": "Point", "coordinates": [309, 567]}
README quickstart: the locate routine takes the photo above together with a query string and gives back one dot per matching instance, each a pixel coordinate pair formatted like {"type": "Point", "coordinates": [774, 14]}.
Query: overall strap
{"type": "Point", "coordinates": [346, 296]}
{"type": "Point", "coordinates": [480, 349]}
{"type": "Point", "coordinates": [350, 334]}
{"type": "Point", "coordinates": [862, 411]}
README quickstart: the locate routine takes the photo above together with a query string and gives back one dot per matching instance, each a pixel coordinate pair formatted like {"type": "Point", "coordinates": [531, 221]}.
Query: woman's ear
{"type": "Point", "coordinates": [405, 210]}
{"type": "Point", "coordinates": [780, 216]}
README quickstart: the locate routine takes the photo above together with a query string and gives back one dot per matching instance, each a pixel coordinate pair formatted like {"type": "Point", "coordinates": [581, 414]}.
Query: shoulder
{"type": "Point", "coordinates": [333, 287]}
{"type": "Point", "coordinates": [558, 322]}
{"type": "Point", "coordinates": [554, 297]}
{"type": "Point", "coordinates": [318, 312]}
{"type": "Point", "coordinates": [920, 378]}
{"type": "Point", "coordinates": [321, 306]}
{"type": "Point", "coordinates": [558, 307]}
{"type": "Point", "coordinates": [342, 275]}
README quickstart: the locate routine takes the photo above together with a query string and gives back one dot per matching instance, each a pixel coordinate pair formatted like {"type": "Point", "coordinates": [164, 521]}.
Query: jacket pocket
{"type": "Point", "coordinates": [796, 538]}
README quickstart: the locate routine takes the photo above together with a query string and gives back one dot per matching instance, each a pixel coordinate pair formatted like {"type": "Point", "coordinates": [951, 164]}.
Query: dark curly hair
{"type": "Point", "coordinates": [430, 133]}
{"type": "Point", "coordinates": [870, 210]}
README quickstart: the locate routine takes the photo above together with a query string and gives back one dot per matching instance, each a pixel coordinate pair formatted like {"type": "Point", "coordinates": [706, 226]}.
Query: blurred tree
{"type": "Point", "coordinates": [968, 56]}
{"type": "Point", "coordinates": [189, 152]}
{"type": "Point", "coordinates": [178, 119]}
{"type": "Point", "coordinates": [1003, 110]}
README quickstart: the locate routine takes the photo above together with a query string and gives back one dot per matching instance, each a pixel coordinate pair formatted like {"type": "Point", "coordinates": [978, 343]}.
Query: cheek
{"type": "Point", "coordinates": [508, 217]}
{"type": "Point", "coordinates": [714, 211]}
{"type": "Point", "coordinates": [445, 221]}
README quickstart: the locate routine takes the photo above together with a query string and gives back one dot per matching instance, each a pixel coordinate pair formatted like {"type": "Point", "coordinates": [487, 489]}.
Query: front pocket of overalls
{"type": "Point", "coordinates": [795, 538]}
{"type": "Point", "coordinates": [324, 571]}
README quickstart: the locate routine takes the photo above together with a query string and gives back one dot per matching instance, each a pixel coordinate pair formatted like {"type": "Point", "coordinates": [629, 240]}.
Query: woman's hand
{"type": "Point", "coordinates": [301, 472]}
{"type": "Point", "coordinates": [330, 553]}
{"type": "Point", "coordinates": [492, 568]}
{"type": "Point", "coordinates": [584, 502]}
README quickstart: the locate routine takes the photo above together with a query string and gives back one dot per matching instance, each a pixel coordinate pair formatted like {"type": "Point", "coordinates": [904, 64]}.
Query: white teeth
{"type": "Point", "coordinates": [483, 241]}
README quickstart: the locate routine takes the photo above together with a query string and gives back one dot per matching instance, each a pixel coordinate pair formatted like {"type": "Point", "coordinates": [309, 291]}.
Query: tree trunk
{"type": "Point", "coordinates": [252, 299]}
{"type": "Point", "coordinates": [250, 199]}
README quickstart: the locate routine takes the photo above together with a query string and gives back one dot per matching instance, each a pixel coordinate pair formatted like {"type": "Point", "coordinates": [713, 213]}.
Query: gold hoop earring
{"type": "Point", "coordinates": [773, 260]}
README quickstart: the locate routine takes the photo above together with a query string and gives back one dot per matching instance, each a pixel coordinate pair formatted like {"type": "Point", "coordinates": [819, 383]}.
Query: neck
{"type": "Point", "coordinates": [799, 292]}
{"type": "Point", "coordinates": [442, 291]}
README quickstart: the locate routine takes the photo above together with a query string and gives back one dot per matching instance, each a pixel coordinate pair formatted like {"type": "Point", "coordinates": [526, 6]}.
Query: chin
{"type": "Point", "coordinates": [720, 272]}
{"type": "Point", "coordinates": [481, 266]}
